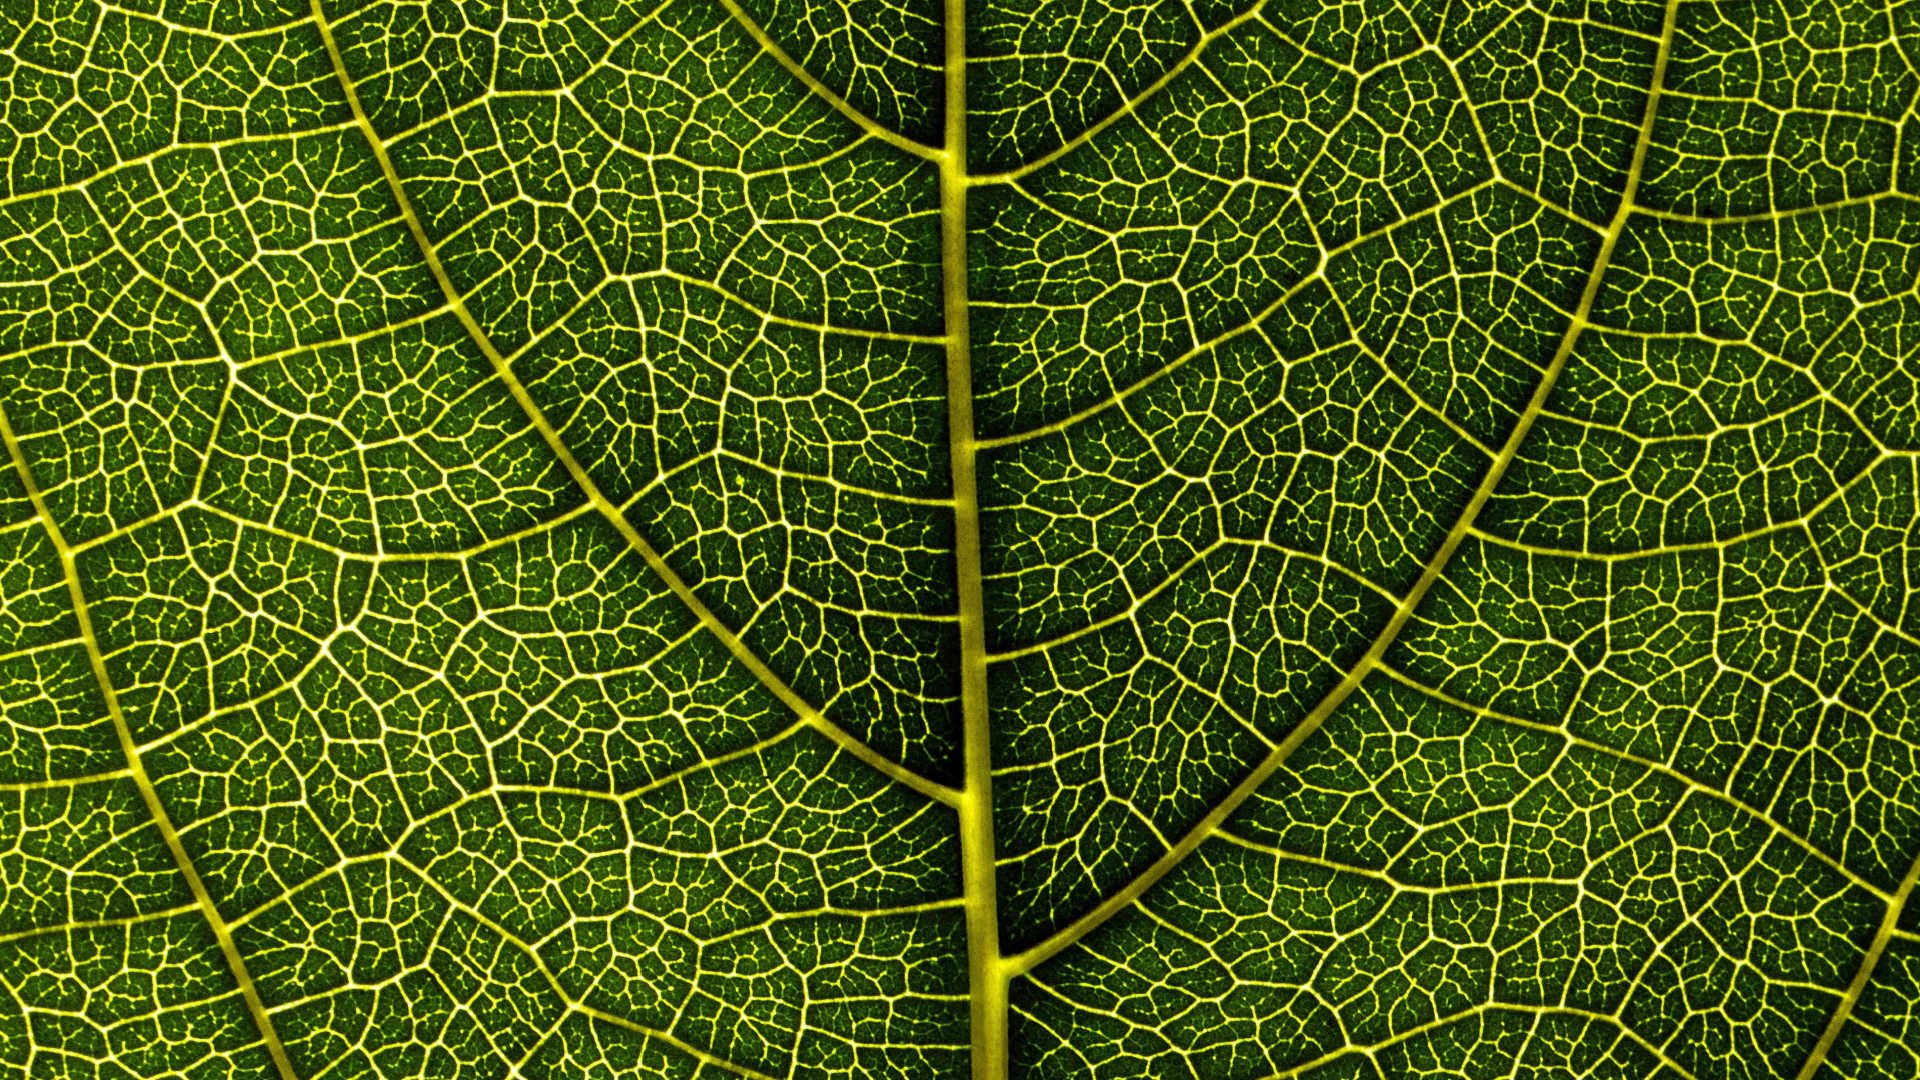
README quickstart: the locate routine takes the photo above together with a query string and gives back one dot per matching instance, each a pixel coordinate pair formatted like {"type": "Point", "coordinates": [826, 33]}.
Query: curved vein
{"type": "Point", "coordinates": [1126, 109]}
{"type": "Point", "coordinates": [1265, 768]}
{"type": "Point", "coordinates": [202, 899]}
{"type": "Point", "coordinates": [582, 479]}
{"type": "Point", "coordinates": [826, 93]}
{"type": "Point", "coordinates": [1889, 924]}
{"type": "Point", "coordinates": [1250, 325]}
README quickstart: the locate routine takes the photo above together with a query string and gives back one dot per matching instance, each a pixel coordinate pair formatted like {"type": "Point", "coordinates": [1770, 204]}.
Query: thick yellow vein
{"type": "Point", "coordinates": [83, 925]}
{"type": "Point", "coordinates": [1889, 924]}
{"type": "Point", "coordinates": [986, 975]}
{"type": "Point", "coordinates": [826, 93]}
{"type": "Point", "coordinates": [1462, 526]}
{"type": "Point", "coordinates": [456, 303]}
{"type": "Point", "coordinates": [168, 834]}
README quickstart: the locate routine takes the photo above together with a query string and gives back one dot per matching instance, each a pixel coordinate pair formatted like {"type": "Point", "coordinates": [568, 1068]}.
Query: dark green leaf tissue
{"type": "Point", "coordinates": [945, 539]}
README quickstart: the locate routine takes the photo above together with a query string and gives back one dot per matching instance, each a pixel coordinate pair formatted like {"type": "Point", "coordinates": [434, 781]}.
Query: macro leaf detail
{"type": "Point", "coordinates": [884, 538]}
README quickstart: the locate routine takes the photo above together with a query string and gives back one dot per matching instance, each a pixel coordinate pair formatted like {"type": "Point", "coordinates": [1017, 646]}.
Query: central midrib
{"type": "Point", "coordinates": [987, 974]}
{"type": "Point", "coordinates": [989, 970]}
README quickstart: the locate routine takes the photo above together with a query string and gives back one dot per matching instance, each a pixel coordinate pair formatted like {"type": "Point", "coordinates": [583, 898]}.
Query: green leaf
{"type": "Point", "coordinates": [1041, 538]}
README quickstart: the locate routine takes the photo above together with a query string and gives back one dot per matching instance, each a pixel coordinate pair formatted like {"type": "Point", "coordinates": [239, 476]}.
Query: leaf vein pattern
{"type": "Point", "coordinates": [203, 900]}
{"type": "Point", "coordinates": [1120, 900]}
{"type": "Point", "coordinates": [585, 482]}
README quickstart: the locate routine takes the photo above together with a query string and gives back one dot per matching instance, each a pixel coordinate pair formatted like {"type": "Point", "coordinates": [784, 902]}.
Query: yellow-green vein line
{"type": "Point", "coordinates": [138, 770]}
{"type": "Point", "coordinates": [1889, 923]}
{"type": "Point", "coordinates": [584, 480]}
{"type": "Point", "coordinates": [986, 973]}
{"type": "Point", "coordinates": [1128, 107]}
{"type": "Point", "coordinates": [1440, 1023]}
{"type": "Point", "coordinates": [1250, 325]}
{"type": "Point", "coordinates": [1265, 768]}
{"type": "Point", "coordinates": [573, 1004]}
{"type": "Point", "coordinates": [1653, 765]}
{"type": "Point", "coordinates": [826, 93]}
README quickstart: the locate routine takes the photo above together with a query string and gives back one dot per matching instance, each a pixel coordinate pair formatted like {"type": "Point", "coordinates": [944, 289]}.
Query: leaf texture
{"type": "Point", "coordinates": [1060, 538]}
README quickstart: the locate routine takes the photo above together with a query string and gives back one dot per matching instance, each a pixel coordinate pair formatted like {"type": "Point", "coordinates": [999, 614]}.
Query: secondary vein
{"type": "Point", "coordinates": [1265, 768]}
{"type": "Point", "coordinates": [1889, 923]}
{"type": "Point", "coordinates": [137, 770]}
{"type": "Point", "coordinates": [826, 93]}
{"type": "Point", "coordinates": [456, 303]}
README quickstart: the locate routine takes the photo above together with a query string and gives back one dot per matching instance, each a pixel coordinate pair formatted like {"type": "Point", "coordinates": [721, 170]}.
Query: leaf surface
{"type": "Point", "coordinates": [1050, 539]}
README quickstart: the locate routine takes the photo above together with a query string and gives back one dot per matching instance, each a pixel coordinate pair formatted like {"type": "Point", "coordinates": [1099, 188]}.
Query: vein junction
{"type": "Point", "coordinates": [1169, 539]}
